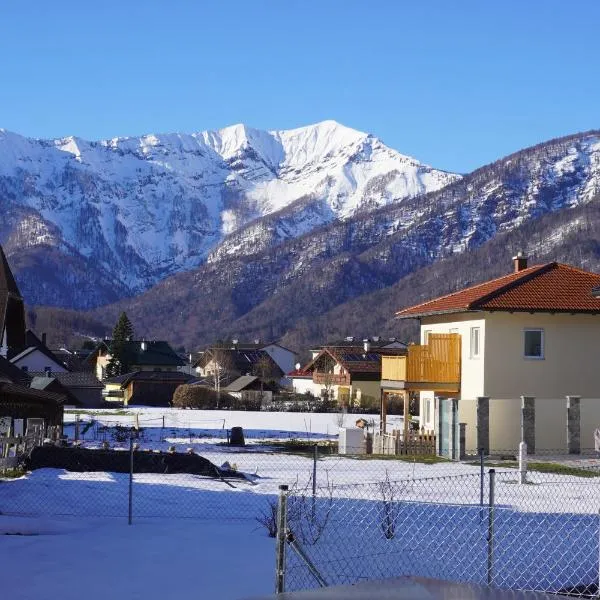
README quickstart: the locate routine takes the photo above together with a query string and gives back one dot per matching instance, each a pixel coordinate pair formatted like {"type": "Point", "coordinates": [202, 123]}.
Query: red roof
{"type": "Point", "coordinates": [297, 373]}
{"type": "Point", "coordinates": [552, 287]}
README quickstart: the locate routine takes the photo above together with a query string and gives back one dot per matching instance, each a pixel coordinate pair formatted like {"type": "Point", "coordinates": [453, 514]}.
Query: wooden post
{"type": "Point", "coordinates": [383, 416]}
{"type": "Point", "coordinates": [406, 415]}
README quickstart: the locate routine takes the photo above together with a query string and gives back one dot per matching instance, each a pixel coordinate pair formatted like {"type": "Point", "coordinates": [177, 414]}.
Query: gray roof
{"type": "Point", "coordinates": [75, 379]}
{"type": "Point", "coordinates": [41, 383]}
{"type": "Point", "coordinates": [240, 383]}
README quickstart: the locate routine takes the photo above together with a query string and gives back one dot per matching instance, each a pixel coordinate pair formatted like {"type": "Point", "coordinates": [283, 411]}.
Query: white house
{"type": "Point", "coordinates": [528, 339]}
{"type": "Point", "coordinates": [37, 357]}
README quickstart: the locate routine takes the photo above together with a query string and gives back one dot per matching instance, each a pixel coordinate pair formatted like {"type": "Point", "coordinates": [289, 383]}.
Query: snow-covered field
{"type": "Point", "coordinates": [196, 531]}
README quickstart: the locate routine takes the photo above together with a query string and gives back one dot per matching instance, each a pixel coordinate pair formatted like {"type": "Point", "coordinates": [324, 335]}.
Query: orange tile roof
{"type": "Point", "coordinates": [552, 287]}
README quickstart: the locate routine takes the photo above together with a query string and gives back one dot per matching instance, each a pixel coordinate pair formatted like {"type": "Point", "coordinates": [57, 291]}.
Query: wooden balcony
{"type": "Point", "coordinates": [433, 366]}
{"type": "Point", "coordinates": [331, 378]}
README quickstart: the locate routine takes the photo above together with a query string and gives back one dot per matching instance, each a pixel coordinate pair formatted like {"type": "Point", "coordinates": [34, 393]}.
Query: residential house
{"type": "Point", "coordinates": [12, 312]}
{"type": "Point", "coordinates": [350, 375]}
{"type": "Point", "coordinates": [52, 384]}
{"type": "Point", "coordinates": [225, 364]}
{"type": "Point", "coordinates": [374, 343]}
{"type": "Point", "coordinates": [284, 358]}
{"type": "Point", "coordinates": [22, 406]}
{"type": "Point", "coordinates": [37, 357]}
{"type": "Point", "coordinates": [83, 386]}
{"type": "Point", "coordinates": [502, 356]}
{"type": "Point", "coordinates": [146, 388]}
{"type": "Point", "coordinates": [251, 388]}
{"type": "Point", "coordinates": [139, 355]}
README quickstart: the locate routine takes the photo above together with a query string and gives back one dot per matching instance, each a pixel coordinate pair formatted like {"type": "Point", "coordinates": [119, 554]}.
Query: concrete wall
{"type": "Point", "coordinates": [467, 413]}
{"type": "Point", "coordinates": [472, 369]}
{"type": "Point", "coordinates": [569, 366]}
{"type": "Point", "coordinates": [590, 420]}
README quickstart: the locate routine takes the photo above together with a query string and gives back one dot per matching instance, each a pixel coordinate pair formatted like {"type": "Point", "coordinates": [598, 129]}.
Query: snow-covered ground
{"type": "Point", "coordinates": [192, 533]}
{"type": "Point", "coordinates": [151, 560]}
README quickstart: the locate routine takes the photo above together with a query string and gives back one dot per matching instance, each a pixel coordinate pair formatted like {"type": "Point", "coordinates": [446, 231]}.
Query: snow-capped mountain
{"type": "Point", "coordinates": [352, 275]}
{"type": "Point", "coordinates": [127, 212]}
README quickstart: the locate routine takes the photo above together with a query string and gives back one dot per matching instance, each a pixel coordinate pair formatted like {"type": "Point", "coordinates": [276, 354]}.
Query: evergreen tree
{"type": "Point", "coordinates": [122, 333]}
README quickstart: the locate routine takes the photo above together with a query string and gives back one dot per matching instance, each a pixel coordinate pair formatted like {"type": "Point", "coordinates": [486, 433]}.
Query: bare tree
{"type": "Point", "coordinates": [219, 368]}
{"type": "Point", "coordinates": [265, 369]}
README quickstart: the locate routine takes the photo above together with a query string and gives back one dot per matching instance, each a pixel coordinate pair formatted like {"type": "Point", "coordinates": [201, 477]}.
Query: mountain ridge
{"type": "Point", "coordinates": [138, 209]}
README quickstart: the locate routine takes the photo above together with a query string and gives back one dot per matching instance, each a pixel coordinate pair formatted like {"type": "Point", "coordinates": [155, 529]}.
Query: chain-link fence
{"type": "Point", "coordinates": [539, 535]}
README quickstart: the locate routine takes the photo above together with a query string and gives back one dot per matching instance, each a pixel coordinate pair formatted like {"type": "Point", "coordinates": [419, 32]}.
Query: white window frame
{"type": "Point", "coordinates": [426, 334]}
{"type": "Point", "coordinates": [542, 355]}
{"type": "Point", "coordinates": [472, 354]}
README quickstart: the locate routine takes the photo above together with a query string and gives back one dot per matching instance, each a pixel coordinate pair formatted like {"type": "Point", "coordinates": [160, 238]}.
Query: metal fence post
{"type": "Point", "coordinates": [130, 479]}
{"type": "Point", "coordinates": [490, 538]}
{"type": "Point", "coordinates": [314, 478]}
{"type": "Point", "coordinates": [482, 477]}
{"type": "Point", "coordinates": [280, 543]}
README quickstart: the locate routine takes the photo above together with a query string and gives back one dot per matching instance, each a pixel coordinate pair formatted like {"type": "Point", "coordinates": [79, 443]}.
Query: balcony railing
{"type": "Point", "coordinates": [393, 368]}
{"type": "Point", "coordinates": [437, 362]}
{"type": "Point", "coordinates": [331, 378]}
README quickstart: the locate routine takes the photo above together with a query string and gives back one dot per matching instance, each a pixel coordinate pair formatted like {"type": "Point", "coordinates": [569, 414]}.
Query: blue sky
{"type": "Point", "coordinates": [455, 84]}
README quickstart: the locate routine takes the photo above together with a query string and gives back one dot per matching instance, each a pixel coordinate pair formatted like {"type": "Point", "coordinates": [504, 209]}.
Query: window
{"type": "Point", "coordinates": [533, 343]}
{"type": "Point", "coordinates": [427, 411]}
{"type": "Point", "coordinates": [475, 342]}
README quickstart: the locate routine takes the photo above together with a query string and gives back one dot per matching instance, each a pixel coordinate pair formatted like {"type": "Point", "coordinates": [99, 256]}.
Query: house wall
{"type": "Point", "coordinates": [428, 424]}
{"type": "Point", "coordinates": [472, 369]}
{"type": "Point", "coordinates": [302, 385]}
{"type": "Point", "coordinates": [89, 397]}
{"type": "Point", "coordinates": [102, 362]}
{"type": "Point", "coordinates": [569, 366]}
{"type": "Point", "coordinates": [38, 361]}
{"type": "Point", "coordinates": [370, 389]}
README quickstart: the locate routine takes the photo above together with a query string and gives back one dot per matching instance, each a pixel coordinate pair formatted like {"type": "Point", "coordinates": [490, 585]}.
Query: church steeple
{"type": "Point", "coordinates": [12, 311]}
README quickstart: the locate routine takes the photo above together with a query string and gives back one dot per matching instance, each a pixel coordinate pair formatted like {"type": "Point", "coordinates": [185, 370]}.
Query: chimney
{"type": "Point", "coordinates": [366, 345]}
{"type": "Point", "coordinates": [43, 339]}
{"type": "Point", "coordinates": [144, 346]}
{"type": "Point", "coordinates": [519, 261]}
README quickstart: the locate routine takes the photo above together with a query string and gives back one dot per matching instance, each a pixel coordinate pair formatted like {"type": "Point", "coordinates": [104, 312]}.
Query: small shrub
{"type": "Point", "coordinates": [200, 397]}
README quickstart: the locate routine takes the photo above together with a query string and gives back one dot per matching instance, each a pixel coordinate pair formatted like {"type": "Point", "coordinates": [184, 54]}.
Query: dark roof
{"type": "Point", "coordinates": [239, 361]}
{"type": "Point", "coordinates": [76, 379]}
{"type": "Point", "coordinates": [255, 345]}
{"type": "Point", "coordinates": [32, 343]}
{"type": "Point", "coordinates": [247, 382]}
{"type": "Point", "coordinates": [356, 342]}
{"type": "Point", "coordinates": [12, 309]}
{"type": "Point", "coordinates": [240, 383]}
{"type": "Point", "coordinates": [30, 393]}
{"type": "Point", "coordinates": [7, 280]}
{"type": "Point", "coordinates": [51, 384]}
{"type": "Point", "coordinates": [12, 372]}
{"type": "Point", "coordinates": [354, 359]}
{"type": "Point", "coordinates": [169, 377]}
{"type": "Point", "coordinates": [155, 353]}
{"type": "Point", "coordinates": [73, 361]}
{"type": "Point", "coordinates": [551, 287]}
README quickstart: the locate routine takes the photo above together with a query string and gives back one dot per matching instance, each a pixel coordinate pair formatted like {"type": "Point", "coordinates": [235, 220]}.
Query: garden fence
{"type": "Point", "coordinates": [541, 535]}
